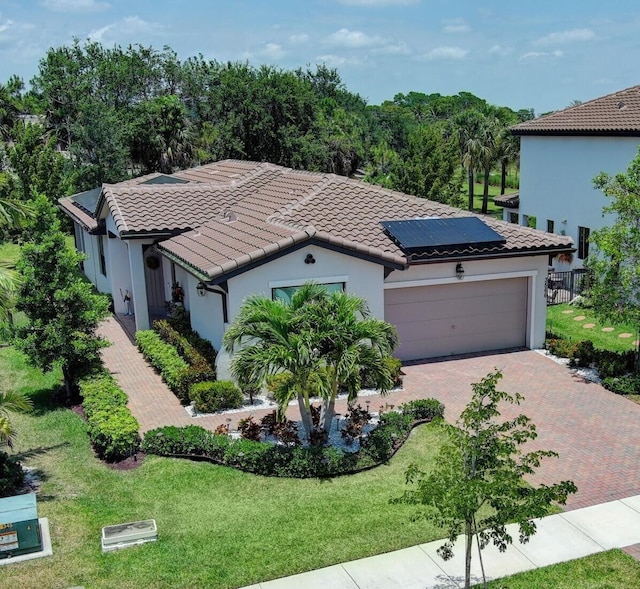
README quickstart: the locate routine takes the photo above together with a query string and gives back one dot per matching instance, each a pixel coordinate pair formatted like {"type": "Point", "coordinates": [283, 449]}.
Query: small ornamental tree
{"type": "Point", "coordinates": [477, 486]}
{"type": "Point", "coordinates": [62, 309]}
{"type": "Point", "coordinates": [615, 265]}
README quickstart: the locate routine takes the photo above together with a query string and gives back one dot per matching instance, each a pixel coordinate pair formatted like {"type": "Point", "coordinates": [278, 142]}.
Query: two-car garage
{"type": "Point", "coordinates": [458, 317]}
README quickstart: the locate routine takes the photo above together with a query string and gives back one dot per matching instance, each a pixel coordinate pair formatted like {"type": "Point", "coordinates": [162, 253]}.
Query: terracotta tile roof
{"type": "Point", "coordinates": [614, 114]}
{"type": "Point", "coordinates": [508, 201]}
{"type": "Point", "coordinates": [250, 211]}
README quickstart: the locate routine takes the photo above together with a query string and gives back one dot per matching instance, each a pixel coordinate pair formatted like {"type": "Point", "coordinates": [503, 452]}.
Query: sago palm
{"type": "Point", "coordinates": [11, 402]}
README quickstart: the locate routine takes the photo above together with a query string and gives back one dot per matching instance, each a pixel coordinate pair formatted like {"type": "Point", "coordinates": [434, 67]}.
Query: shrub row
{"type": "Point", "coordinates": [583, 353]}
{"type": "Point", "coordinates": [195, 351]}
{"type": "Point", "coordinates": [113, 431]}
{"type": "Point", "coordinates": [623, 385]}
{"type": "Point", "coordinates": [291, 461]}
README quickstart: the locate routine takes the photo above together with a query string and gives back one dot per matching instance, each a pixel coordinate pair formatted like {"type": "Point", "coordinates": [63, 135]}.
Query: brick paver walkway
{"type": "Point", "coordinates": [595, 432]}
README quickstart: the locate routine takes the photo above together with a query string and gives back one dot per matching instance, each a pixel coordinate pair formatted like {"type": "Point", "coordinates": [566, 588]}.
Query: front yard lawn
{"type": "Point", "coordinates": [217, 527]}
{"type": "Point", "coordinates": [565, 325]}
{"type": "Point", "coordinates": [607, 570]}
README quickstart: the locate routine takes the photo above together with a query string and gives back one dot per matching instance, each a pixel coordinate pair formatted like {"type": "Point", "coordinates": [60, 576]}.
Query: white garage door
{"type": "Point", "coordinates": [458, 318]}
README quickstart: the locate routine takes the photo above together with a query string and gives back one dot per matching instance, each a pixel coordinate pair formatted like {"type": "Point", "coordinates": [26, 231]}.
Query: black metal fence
{"type": "Point", "coordinates": [563, 287]}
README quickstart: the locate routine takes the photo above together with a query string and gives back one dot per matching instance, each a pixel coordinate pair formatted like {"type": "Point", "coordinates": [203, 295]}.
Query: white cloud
{"type": "Point", "coordinates": [456, 25]}
{"type": "Point", "coordinates": [400, 48]}
{"type": "Point", "coordinates": [352, 39]}
{"type": "Point", "coordinates": [541, 54]}
{"type": "Point", "coordinates": [333, 60]}
{"type": "Point", "coordinates": [379, 2]}
{"type": "Point", "coordinates": [568, 36]}
{"type": "Point", "coordinates": [445, 53]}
{"type": "Point", "coordinates": [75, 5]}
{"type": "Point", "coordinates": [299, 38]}
{"type": "Point", "coordinates": [128, 26]}
{"type": "Point", "coordinates": [500, 50]}
{"type": "Point", "coordinates": [6, 25]}
{"type": "Point", "coordinates": [272, 51]}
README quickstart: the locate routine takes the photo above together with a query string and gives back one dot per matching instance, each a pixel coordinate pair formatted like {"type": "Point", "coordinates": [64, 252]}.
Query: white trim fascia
{"type": "Point", "coordinates": [301, 281]}
{"type": "Point", "coordinates": [455, 280]}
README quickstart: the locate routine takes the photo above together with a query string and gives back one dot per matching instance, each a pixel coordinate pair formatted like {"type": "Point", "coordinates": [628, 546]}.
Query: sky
{"type": "Point", "coordinates": [540, 54]}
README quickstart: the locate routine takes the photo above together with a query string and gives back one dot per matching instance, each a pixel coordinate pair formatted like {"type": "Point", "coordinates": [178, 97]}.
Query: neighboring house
{"type": "Point", "coordinates": [450, 281]}
{"type": "Point", "coordinates": [561, 153]}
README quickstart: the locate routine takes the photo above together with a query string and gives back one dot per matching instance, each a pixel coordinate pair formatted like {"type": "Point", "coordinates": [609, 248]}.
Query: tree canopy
{"type": "Point", "coordinates": [124, 111]}
{"type": "Point", "coordinates": [615, 263]}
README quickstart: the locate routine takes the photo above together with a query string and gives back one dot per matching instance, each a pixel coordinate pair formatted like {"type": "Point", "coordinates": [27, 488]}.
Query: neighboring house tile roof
{"type": "Point", "coordinates": [251, 211]}
{"type": "Point", "coordinates": [611, 115]}
{"type": "Point", "coordinates": [508, 201]}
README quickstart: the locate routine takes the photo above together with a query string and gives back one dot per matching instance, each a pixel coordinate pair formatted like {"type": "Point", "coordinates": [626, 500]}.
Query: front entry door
{"type": "Point", "coordinates": [154, 279]}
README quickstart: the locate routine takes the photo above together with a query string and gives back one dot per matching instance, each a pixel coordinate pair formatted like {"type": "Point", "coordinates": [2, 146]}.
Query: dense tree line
{"type": "Point", "coordinates": [107, 114]}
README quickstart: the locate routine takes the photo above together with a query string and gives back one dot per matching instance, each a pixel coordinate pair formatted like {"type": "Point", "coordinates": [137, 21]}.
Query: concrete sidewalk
{"type": "Point", "coordinates": [559, 538]}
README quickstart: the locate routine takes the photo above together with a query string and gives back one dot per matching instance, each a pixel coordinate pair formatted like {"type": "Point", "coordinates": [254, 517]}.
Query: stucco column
{"type": "Point", "coordinates": [138, 285]}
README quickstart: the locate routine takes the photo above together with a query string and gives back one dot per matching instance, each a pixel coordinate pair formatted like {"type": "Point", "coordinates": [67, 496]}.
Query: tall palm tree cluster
{"type": "Point", "coordinates": [321, 341]}
{"type": "Point", "coordinates": [486, 142]}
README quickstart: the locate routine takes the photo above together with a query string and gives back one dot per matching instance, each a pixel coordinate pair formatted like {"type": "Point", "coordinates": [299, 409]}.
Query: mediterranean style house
{"type": "Point", "coordinates": [560, 154]}
{"type": "Point", "coordinates": [450, 281]}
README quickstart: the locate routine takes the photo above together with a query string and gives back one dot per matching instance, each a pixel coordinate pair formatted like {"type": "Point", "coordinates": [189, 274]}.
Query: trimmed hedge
{"type": "Point", "coordinates": [290, 461]}
{"type": "Point", "coordinates": [194, 350]}
{"type": "Point", "coordinates": [210, 397]}
{"type": "Point", "coordinates": [113, 431]}
{"type": "Point", "coordinates": [166, 360]}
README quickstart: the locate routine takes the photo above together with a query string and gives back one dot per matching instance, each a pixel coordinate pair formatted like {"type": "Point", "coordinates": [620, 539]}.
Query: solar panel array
{"type": "Point", "coordinates": [418, 235]}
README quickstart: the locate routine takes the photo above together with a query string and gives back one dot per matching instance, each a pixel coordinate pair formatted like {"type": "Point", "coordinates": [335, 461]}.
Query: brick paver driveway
{"type": "Point", "coordinates": [595, 432]}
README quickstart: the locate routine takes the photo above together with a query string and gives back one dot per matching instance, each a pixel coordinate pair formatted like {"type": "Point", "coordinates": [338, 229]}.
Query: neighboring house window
{"type": "Point", "coordinates": [513, 218]}
{"type": "Point", "coordinates": [529, 221]}
{"type": "Point", "coordinates": [284, 293]}
{"type": "Point", "coordinates": [103, 261]}
{"type": "Point", "coordinates": [550, 226]}
{"type": "Point", "coordinates": [583, 242]}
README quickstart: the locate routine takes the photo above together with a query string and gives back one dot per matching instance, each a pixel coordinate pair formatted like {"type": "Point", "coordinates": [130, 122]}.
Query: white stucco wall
{"type": "Point", "coordinates": [534, 268]}
{"type": "Point", "coordinates": [556, 179]}
{"type": "Point", "coordinates": [361, 278]}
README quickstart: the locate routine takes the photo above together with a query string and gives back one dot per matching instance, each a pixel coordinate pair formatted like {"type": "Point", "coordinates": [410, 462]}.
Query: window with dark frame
{"type": "Point", "coordinates": [103, 260]}
{"type": "Point", "coordinates": [550, 225]}
{"type": "Point", "coordinates": [284, 293]}
{"type": "Point", "coordinates": [583, 242]}
{"type": "Point", "coordinates": [513, 218]}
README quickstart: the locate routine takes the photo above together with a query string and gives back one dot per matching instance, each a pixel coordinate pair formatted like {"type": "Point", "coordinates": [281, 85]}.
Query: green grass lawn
{"type": "Point", "coordinates": [607, 570]}
{"type": "Point", "coordinates": [565, 325]}
{"type": "Point", "coordinates": [218, 527]}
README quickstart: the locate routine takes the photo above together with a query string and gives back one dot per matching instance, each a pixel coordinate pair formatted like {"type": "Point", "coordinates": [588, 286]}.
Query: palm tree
{"type": "Point", "coordinates": [350, 341]}
{"type": "Point", "coordinates": [272, 339]}
{"type": "Point", "coordinates": [323, 340]}
{"type": "Point", "coordinates": [11, 402]}
{"type": "Point", "coordinates": [468, 124]}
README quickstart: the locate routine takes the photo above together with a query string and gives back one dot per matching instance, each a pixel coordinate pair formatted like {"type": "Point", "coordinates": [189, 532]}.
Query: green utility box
{"type": "Point", "coordinates": [19, 527]}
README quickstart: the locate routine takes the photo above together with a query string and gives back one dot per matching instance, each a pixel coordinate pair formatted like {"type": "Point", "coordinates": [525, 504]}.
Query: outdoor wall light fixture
{"type": "Point", "coordinates": [202, 291]}
{"type": "Point", "coordinates": [309, 259]}
{"type": "Point", "coordinates": [459, 271]}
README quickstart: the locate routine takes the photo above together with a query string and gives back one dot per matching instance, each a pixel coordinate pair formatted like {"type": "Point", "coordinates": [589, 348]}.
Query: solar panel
{"type": "Point", "coordinates": [164, 179]}
{"type": "Point", "coordinates": [414, 235]}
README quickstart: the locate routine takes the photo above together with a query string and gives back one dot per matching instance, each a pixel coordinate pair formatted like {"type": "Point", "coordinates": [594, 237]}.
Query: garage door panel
{"type": "Point", "coordinates": [458, 318]}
